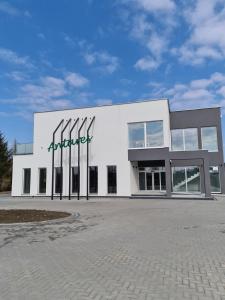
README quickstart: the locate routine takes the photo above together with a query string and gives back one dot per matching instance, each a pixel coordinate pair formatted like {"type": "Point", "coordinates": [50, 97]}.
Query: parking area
{"type": "Point", "coordinates": [115, 249]}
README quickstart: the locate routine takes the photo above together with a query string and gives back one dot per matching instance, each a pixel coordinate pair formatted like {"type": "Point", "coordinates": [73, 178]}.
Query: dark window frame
{"type": "Point", "coordinates": [24, 181]}
{"type": "Point", "coordinates": [39, 180]}
{"type": "Point", "coordinates": [113, 191]}
{"type": "Point", "coordinates": [94, 189]}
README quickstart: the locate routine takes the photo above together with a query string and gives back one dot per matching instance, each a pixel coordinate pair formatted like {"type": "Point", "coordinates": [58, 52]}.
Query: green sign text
{"type": "Point", "coordinates": [68, 143]}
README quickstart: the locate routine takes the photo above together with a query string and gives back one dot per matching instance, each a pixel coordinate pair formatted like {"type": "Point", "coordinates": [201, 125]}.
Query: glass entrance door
{"type": "Point", "coordinates": [152, 180]}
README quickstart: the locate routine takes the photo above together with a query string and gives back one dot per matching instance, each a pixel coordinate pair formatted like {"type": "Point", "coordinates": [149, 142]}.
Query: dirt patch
{"type": "Point", "coordinates": [29, 215]}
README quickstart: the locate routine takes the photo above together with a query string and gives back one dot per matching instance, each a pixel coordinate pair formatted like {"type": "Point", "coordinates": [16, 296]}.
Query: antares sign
{"type": "Point", "coordinates": [68, 143]}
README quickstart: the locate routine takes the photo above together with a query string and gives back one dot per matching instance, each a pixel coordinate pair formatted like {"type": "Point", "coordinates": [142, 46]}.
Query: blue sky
{"type": "Point", "coordinates": [61, 54]}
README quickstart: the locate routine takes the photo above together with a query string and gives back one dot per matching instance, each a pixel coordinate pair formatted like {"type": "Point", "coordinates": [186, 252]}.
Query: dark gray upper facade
{"type": "Point", "coordinates": [208, 117]}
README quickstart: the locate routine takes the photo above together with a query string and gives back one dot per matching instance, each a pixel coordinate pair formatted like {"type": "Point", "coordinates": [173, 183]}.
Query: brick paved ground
{"type": "Point", "coordinates": [116, 249]}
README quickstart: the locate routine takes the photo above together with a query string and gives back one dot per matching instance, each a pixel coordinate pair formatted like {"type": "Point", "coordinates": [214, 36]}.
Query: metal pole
{"type": "Point", "coordinates": [78, 193]}
{"type": "Point", "coordinates": [69, 197]}
{"type": "Point", "coordinates": [88, 157]}
{"type": "Point", "coordinates": [61, 160]}
{"type": "Point", "coordinates": [53, 157]}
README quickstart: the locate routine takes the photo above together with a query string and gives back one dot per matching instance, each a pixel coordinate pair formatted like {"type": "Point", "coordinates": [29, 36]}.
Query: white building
{"type": "Point", "coordinates": [129, 152]}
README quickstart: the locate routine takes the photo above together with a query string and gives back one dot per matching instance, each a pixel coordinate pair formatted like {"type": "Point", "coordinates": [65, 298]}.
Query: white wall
{"type": "Point", "coordinates": [109, 145]}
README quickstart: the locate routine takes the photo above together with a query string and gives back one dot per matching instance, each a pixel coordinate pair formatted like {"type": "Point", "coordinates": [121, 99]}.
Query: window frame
{"type": "Point", "coordinates": [183, 138]}
{"type": "Point", "coordinates": [39, 169]}
{"type": "Point", "coordinates": [217, 140]}
{"type": "Point", "coordinates": [107, 167]}
{"type": "Point", "coordinates": [145, 134]}
{"type": "Point", "coordinates": [89, 181]}
{"type": "Point", "coordinates": [23, 181]}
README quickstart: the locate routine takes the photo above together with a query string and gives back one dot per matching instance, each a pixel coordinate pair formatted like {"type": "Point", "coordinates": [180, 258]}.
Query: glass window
{"type": "Point", "coordinates": [177, 140]}
{"type": "Point", "coordinates": [154, 132]}
{"type": "Point", "coordinates": [209, 139]}
{"type": "Point", "coordinates": [214, 179]}
{"type": "Point", "coordinates": [58, 180]}
{"type": "Point", "coordinates": [186, 179]}
{"type": "Point", "coordinates": [136, 135]}
{"type": "Point", "coordinates": [93, 179]}
{"type": "Point", "coordinates": [42, 180]}
{"type": "Point", "coordinates": [184, 139]}
{"type": "Point", "coordinates": [142, 181]}
{"type": "Point", "coordinates": [75, 180]}
{"type": "Point", "coordinates": [26, 181]}
{"type": "Point", "coordinates": [190, 139]}
{"type": "Point", "coordinates": [112, 183]}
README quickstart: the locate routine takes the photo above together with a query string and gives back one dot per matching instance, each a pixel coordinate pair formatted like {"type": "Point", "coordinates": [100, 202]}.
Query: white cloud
{"type": "Point", "coordinates": [12, 57]}
{"type": "Point", "coordinates": [198, 93]}
{"type": "Point", "coordinates": [155, 6]}
{"type": "Point", "coordinates": [147, 64]}
{"type": "Point", "coordinates": [104, 102]}
{"type": "Point", "coordinates": [206, 20]}
{"type": "Point", "coordinates": [76, 80]}
{"type": "Point", "coordinates": [11, 10]}
{"type": "Point", "coordinates": [17, 75]}
{"type": "Point", "coordinates": [102, 60]}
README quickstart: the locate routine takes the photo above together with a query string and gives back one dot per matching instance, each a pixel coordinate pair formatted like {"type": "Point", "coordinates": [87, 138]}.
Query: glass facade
{"type": "Point", "coordinates": [93, 180]}
{"type": "Point", "coordinates": [186, 179]}
{"type": "Point", "coordinates": [154, 134]}
{"type": "Point", "coordinates": [184, 139]}
{"type": "Point", "coordinates": [112, 180]}
{"type": "Point", "coordinates": [42, 180]}
{"type": "Point", "coordinates": [214, 179]}
{"type": "Point", "coordinates": [58, 180]}
{"type": "Point", "coordinates": [26, 181]}
{"type": "Point", "coordinates": [209, 139]}
{"type": "Point", "coordinates": [75, 180]}
{"type": "Point", "coordinates": [146, 134]}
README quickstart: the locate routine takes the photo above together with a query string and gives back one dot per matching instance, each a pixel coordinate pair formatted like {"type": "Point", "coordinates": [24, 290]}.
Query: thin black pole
{"type": "Point", "coordinates": [89, 127]}
{"type": "Point", "coordinates": [78, 193]}
{"type": "Point", "coordinates": [75, 123]}
{"type": "Point", "coordinates": [53, 157]}
{"type": "Point", "coordinates": [61, 160]}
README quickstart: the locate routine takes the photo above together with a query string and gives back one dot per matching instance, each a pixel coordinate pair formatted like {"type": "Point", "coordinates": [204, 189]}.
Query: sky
{"type": "Point", "coordinates": [57, 54]}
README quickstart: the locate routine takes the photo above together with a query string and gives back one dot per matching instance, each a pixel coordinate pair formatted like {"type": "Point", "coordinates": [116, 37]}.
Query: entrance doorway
{"type": "Point", "coordinates": [152, 179]}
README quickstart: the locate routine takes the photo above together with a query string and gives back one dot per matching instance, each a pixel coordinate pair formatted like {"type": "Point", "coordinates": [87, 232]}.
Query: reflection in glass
{"type": "Point", "coordinates": [136, 135]}
{"type": "Point", "coordinates": [190, 139]}
{"type": "Point", "coordinates": [154, 131]}
{"type": "Point", "coordinates": [193, 179]}
{"type": "Point", "coordinates": [179, 179]}
{"type": "Point", "coordinates": [214, 179]}
{"type": "Point", "coordinates": [186, 179]}
{"type": "Point", "coordinates": [209, 139]}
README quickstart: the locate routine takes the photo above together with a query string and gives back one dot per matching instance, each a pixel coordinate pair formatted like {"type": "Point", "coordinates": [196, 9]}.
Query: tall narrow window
{"type": "Point", "coordinates": [26, 181]}
{"type": "Point", "coordinates": [154, 134]}
{"type": "Point", "coordinates": [214, 179]}
{"type": "Point", "coordinates": [58, 180]}
{"type": "Point", "coordinates": [136, 135]}
{"type": "Point", "coordinates": [112, 182]}
{"type": "Point", "coordinates": [93, 179]}
{"type": "Point", "coordinates": [42, 180]}
{"type": "Point", "coordinates": [75, 179]}
{"type": "Point", "coordinates": [209, 139]}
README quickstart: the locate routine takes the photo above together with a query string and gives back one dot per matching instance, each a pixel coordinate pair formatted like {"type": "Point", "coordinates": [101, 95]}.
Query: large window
{"type": "Point", "coordinates": [184, 139]}
{"type": "Point", "coordinates": [146, 134]}
{"type": "Point", "coordinates": [186, 179]}
{"type": "Point", "coordinates": [58, 180]}
{"type": "Point", "coordinates": [75, 180]}
{"type": "Point", "coordinates": [26, 181]}
{"type": "Point", "coordinates": [209, 139]}
{"type": "Point", "coordinates": [93, 180]}
{"type": "Point", "coordinates": [154, 134]}
{"type": "Point", "coordinates": [42, 180]}
{"type": "Point", "coordinates": [136, 135]}
{"type": "Point", "coordinates": [214, 179]}
{"type": "Point", "coordinates": [112, 181]}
